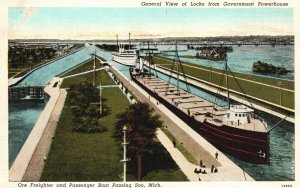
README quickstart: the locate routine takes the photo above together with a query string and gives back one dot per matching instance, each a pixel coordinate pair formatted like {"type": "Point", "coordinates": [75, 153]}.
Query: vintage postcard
{"type": "Point", "coordinates": [149, 93]}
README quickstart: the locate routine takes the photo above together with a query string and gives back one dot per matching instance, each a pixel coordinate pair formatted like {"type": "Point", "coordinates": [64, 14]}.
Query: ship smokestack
{"type": "Point", "coordinates": [129, 41]}
{"type": "Point", "coordinates": [117, 41]}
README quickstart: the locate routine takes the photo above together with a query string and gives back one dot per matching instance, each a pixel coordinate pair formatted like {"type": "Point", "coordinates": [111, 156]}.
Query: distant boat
{"type": "Point", "coordinates": [125, 57]}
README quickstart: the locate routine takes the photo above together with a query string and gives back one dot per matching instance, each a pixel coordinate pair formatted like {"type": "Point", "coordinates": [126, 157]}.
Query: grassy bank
{"type": "Point", "coordinates": [215, 76]}
{"type": "Point", "coordinates": [86, 157]}
{"type": "Point", "coordinates": [96, 157]}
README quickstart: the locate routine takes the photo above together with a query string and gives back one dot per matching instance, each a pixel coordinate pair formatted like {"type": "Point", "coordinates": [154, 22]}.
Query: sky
{"type": "Point", "coordinates": [106, 23]}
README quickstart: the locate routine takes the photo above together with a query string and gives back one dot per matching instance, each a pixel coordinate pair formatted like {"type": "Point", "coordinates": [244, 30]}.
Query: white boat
{"type": "Point", "coordinates": [125, 57]}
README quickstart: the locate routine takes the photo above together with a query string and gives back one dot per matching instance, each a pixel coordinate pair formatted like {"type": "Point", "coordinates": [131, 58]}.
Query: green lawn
{"type": "Point", "coordinates": [285, 83]}
{"type": "Point", "coordinates": [86, 157]}
{"type": "Point", "coordinates": [263, 92]}
{"type": "Point", "coordinates": [100, 75]}
{"type": "Point", "coordinates": [82, 68]}
{"type": "Point", "coordinates": [96, 157]}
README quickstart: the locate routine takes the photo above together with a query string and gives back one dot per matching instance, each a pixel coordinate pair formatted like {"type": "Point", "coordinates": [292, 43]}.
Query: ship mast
{"type": "Point", "coordinates": [177, 62]}
{"type": "Point", "coordinates": [227, 83]}
{"type": "Point", "coordinates": [149, 57]}
{"type": "Point", "coordinates": [129, 41]}
{"type": "Point", "coordinates": [117, 41]}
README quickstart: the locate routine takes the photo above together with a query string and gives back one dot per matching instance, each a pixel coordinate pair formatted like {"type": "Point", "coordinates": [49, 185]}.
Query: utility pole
{"type": "Point", "coordinates": [124, 160]}
{"type": "Point", "coordinates": [94, 75]}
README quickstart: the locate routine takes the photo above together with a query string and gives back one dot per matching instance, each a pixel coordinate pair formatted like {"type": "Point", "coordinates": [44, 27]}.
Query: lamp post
{"type": "Point", "coordinates": [124, 160]}
{"type": "Point", "coordinates": [100, 93]}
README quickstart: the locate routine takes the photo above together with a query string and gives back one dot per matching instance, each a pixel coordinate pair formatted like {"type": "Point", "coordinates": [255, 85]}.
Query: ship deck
{"type": "Point", "coordinates": [195, 106]}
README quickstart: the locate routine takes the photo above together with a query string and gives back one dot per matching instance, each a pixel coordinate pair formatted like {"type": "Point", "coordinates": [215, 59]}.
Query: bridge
{"type": "Point", "coordinates": [219, 43]}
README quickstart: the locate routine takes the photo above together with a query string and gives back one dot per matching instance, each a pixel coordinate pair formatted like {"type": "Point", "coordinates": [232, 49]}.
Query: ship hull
{"type": "Point", "coordinates": [124, 60]}
{"type": "Point", "coordinates": [245, 145]}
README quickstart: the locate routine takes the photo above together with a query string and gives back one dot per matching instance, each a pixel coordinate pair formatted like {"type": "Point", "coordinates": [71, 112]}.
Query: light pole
{"type": "Point", "coordinates": [280, 93]}
{"type": "Point", "coordinates": [124, 160]}
{"type": "Point", "coordinates": [100, 93]}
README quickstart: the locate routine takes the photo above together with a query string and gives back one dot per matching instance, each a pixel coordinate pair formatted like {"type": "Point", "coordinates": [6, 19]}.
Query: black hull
{"type": "Point", "coordinates": [245, 145]}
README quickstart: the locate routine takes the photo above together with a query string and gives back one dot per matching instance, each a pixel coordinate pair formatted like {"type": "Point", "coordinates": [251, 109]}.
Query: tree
{"type": "Point", "coordinates": [141, 127]}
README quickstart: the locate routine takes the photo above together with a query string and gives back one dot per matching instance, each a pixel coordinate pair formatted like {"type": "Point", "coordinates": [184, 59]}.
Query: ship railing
{"type": "Point", "coordinates": [255, 116]}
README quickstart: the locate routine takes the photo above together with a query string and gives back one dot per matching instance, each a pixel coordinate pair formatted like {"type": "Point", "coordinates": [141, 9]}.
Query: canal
{"type": "Point", "coordinates": [23, 116]}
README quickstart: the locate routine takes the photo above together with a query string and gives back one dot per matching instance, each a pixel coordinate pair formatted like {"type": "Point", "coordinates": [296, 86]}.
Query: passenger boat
{"type": "Point", "coordinates": [125, 57]}
{"type": "Point", "coordinates": [235, 130]}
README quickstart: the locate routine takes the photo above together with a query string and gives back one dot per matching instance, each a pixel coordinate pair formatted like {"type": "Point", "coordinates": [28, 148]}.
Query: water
{"type": "Point", "coordinates": [22, 117]}
{"type": "Point", "coordinates": [282, 146]}
{"type": "Point", "coordinates": [41, 76]}
{"type": "Point", "coordinates": [282, 160]}
{"type": "Point", "coordinates": [243, 57]}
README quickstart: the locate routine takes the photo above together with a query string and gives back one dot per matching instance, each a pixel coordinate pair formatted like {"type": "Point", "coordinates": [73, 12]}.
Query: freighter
{"type": "Point", "coordinates": [235, 130]}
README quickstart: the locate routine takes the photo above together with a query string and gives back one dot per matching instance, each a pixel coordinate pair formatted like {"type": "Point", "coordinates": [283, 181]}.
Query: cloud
{"type": "Point", "coordinates": [18, 28]}
{"type": "Point", "coordinates": [28, 12]}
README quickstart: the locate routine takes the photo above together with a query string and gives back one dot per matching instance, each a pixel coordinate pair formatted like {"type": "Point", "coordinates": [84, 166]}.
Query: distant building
{"type": "Point", "coordinates": [209, 54]}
